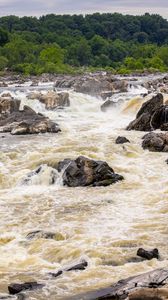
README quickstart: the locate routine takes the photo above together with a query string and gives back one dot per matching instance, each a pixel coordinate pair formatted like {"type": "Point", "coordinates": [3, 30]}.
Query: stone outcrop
{"type": "Point", "coordinates": [152, 285]}
{"type": "Point", "coordinates": [27, 121]}
{"type": "Point", "coordinates": [52, 100]}
{"type": "Point", "coordinates": [84, 172]}
{"type": "Point", "coordinates": [155, 142]}
{"type": "Point", "coordinates": [152, 115]}
{"type": "Point", "coordinates": [99, 84]}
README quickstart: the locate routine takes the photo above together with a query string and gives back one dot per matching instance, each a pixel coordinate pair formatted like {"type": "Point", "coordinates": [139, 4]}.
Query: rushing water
{"type": "Point", "coordinates": [104, 225]}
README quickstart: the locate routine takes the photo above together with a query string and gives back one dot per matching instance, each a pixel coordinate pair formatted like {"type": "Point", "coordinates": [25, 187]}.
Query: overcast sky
{"type": "Point", "coordinates": [42, 7]}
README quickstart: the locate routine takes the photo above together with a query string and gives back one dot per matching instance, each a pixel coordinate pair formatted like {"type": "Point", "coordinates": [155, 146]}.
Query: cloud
{"type": "Point", "coordinates": [41, 7]}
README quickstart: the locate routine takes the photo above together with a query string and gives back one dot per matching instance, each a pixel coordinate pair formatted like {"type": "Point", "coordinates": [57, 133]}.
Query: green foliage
{"type": "Point", "coordinates": [4, 37]}
{"type": "Point", "coordinates": [69, 44]}
{"type": "Point", "coordinates": [3, 62]}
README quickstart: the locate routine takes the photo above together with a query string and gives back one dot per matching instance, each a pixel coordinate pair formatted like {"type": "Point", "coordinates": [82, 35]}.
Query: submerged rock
{"type": "Point", "coordinates": [146, 113]}
{"type": "Point", "coordinates": [121, 140]}
{"type": "Point", "coordinates": [148, 254]}
{"type": "Point", "coordinates": [40, 234]}
{"type": "Point", "coordinates": [16, 288]}
{"type": "Point", "coordinates": [79, 266]}
{"type": "Point", "coordinates": [84, 172]}
{"type": "Point", "coordinates": [155, 142]}
{"type": "Point", "coordinates": [27, 121]}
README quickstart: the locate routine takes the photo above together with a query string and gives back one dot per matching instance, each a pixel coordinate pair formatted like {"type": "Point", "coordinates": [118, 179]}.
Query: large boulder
{"type": "Point", "coordinates": [84, 172]}
{"type": "Point", "coordinates": [155, 142]}
{"type": "Point", "coordinates": [52, 100]}
{"type": "Point", "coordinates": [145, 115]}
{"type": "Point", "coordinates": [159, 118]}
{"type": "Point", "coordinates": [100, 85]}
{"type": "Point", "coordinates": [27, 121]}
{"type": "Point", "coordinates": [8, 105]}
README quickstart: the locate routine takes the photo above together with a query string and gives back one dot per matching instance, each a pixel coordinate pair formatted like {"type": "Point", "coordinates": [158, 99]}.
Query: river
{"type": "Point", "coordinates": [104, 225]}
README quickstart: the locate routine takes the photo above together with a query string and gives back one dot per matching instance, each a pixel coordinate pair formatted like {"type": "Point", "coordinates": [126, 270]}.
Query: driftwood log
{"type": "Point", "coordinates": [134, 288]}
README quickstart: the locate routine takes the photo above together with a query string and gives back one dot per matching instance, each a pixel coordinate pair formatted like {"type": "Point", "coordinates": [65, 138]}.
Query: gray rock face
{"type": "Point", "coordinates": [155, 142]}
{"type": "Point", "coordinates": [27, 121]}
{"type": "Point", "coordinates": [101, 85]}
{"type": "Point", "coordinates": [84, 172]}
{"type": "Point", "coordinates": [145, 120]}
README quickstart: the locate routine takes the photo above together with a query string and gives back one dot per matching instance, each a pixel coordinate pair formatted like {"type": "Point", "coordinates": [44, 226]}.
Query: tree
{"type": "Point", "coordinates": [4, 37]}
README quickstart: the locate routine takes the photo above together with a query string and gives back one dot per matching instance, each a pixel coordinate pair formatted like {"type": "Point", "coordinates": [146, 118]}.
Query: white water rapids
{"type": "Point", "coordinates": [104, 225]}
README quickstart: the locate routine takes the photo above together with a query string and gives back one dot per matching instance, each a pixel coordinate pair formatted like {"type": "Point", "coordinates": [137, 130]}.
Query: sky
{"type": "Point", "coordinates": [43, 7]}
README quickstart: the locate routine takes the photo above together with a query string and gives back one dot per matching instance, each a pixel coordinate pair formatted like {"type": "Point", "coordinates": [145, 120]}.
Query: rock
{"type": "Point", "coordinates": [148, 254]}
{"type": "Point", "coordinates": [151, 105]}
{"type": "Point", "coordinates": [145, 114]}
{"type": "Point", "coordinates": [84, 172]}
{"type": "Point", "coordinates": [92, 86]}
{"type": "Point", "coordinates": [155, 142]}
{"type": "Point", "coordinates": [27, 121]}
{"type": "Point", "coordinates": [79, 266]}
{"type": "Point", "coordinates": [40, 234]}
{"type": "Point", "coordinates": [8, 106]}
{"type": "Point", "coordinates": [105, 95]}
{"type": "Point", "coordinates": [3, 84]}
{"type": "Point", "coordinates": [152, 281]}
{"type": "Point", "coordinates": [107, 105]}
{"type": "Point", "coordinates": [52, 100]}
{"type": "Point", "coordinates": [6, 95]}
{"type": "Point", "coordinates": [149, 294]}
{"type": "Point", "coordinates": [159, 118]}
{"type": "Point", "coordinates": [121, 140]}
{"type": "Point", "coordinates": [16, 288]}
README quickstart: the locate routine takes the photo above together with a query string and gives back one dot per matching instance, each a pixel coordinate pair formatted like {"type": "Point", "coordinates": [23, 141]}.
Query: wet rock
{"type": "Point", "coordinates": [52, 100]}
{"type": "Point", "coordinates": [27, 121]}
{"type": "Point", "coordinates": [123, 289]}
{"type": "Point", "coordinates": [121, 140]}
{"type": "Point", "coordinates": [79, 266]}
{"type": "Point", "coordinates": [159, 118]}
{"type": "Point", "coordinates": [84, 172]}
{"type": "Point", "coordinates": [107, 105]}
{"type": "Point", "coordinates": [16, 288]}
{"type": "Point", "coordinates": [105, 95]}
{"type": "Point", "coordinates": [155, 142]}
{"type": "Point", "coordinates": [6, 95]}
{"type": "Point", "coordinates": [3, 84]}
{"type": "Point", "coordinates": [40, 234]}
{"type": "Point", "coordinates": [145, 114]}
{"type": "Point", "coordinates": [8, 106]}
{"type": "Point", "coordinates": [148, 254]}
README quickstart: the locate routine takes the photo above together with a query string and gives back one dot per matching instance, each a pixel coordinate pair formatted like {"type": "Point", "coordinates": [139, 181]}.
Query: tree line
{"type": "Point", "coordinates": [74, 43]}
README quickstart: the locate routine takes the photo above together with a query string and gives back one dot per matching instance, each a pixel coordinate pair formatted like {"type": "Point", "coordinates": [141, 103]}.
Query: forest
{"type": "Point", "coordinates": [72, 44]}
